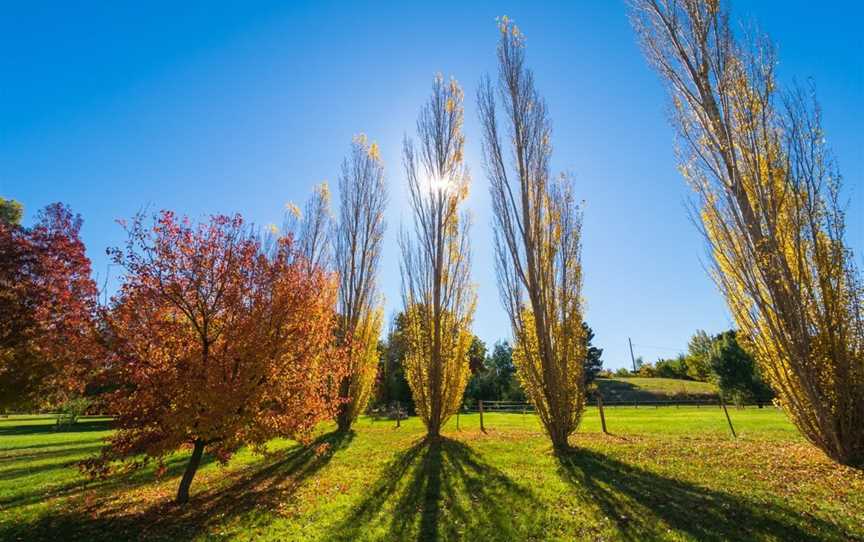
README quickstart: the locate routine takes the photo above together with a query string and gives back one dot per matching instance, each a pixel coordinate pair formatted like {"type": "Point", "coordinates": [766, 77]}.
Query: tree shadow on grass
{"type": "Point", "coordinates": [42, 428]}
{"type": "Point", "coordinates": [39, 453]}
{"type": "Point", "coordinates": [645, 505]}
{"type": "Point", "coordinates": [8, 451]}
{"type": "Point", "coordinates": [174, 467]}
{"type": "Point", "coordinates": [262, 484]}
{"type": "Point", "coordinates": [440, 489]}
{"type": "Point", "coordinates": [615, 390]}
{"type": "Point", "coordinates": [62, 458]}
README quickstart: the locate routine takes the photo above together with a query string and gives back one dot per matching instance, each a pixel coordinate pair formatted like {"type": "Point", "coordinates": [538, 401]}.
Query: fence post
{"type": "Point", "coordinates": [602, 416]}
{"type": "Point", "coordinates": [482, 428]}
{"type": "Point", "coordinates": [457, 417]}
{"type": "Point", "coordinates": [728, 419]}
{"type": "Point", "coordinates": [398, 413]}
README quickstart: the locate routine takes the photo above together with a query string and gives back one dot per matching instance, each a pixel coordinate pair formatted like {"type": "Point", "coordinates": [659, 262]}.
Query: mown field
{"type": "Point", "coordinates": [664, 474]}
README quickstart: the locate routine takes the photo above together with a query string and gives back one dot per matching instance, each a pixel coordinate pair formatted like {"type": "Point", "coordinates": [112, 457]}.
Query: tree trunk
{"type": "Point", "coordinates": [343, 419]}
{"type": "Point", "coordinates": [343, 416]}
{"type": "Point", "coordinates": [191, 468]}
{"type": "Point", "coordinates": [434, 429]}
{"type": "Point", "coordinates": [559, 437]}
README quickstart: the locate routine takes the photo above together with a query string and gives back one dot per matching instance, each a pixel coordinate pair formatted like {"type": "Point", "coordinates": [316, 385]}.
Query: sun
{"type": "Point", "coordinates": [440, 183]}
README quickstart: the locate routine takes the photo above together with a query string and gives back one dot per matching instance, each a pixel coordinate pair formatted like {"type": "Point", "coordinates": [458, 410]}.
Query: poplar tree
{"type": "Point", "coordinates": [767, 195]}
{"type": "Point", "coordinates": [537, 226]}
{"type": "Point", "coordinates": [358, 238]}
{"type": "Point", "coordinates": [438, 296]}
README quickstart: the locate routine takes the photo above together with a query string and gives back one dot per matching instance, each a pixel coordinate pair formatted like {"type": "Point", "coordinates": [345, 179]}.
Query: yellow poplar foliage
{"type": "Point", "coordinates": [363, 361]}
{"type": "Point", "coordinates": [794, 299]}
{"type": "Point", "coordinates": [768, 198]}
{"type": "Point", "coordinates": [538, 231]}
{"type": "Point", "coordinates": [358, 239]}
{"type": "Point", "coordinates": [437, 293]}
{"type": "Point", "coordinates": [556, 390]}
{"type": "Point", "coordinates": [452, 367]}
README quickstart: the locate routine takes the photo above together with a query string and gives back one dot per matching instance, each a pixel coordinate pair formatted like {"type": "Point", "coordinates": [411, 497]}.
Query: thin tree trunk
{"type": "Point", "coordinates": [343, 417]}
{"type": "Point", "coordinates": [191, 468]}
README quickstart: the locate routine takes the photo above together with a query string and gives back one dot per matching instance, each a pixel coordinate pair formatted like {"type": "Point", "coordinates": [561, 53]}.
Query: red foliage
{"type": "Point", "coordinates": [217, 341]}
{"type": "Point", "coordinates": [48, 302]}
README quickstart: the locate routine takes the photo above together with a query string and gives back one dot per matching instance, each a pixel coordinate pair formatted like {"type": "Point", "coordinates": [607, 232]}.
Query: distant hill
{"type": "Point", "coordinates": [653, 389]}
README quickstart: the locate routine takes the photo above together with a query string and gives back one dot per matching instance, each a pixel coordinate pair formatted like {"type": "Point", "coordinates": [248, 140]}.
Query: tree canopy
{"type": "Point", "coordinates": [217, 343]}
{"type": "Point", "coordinates": [48, 302]}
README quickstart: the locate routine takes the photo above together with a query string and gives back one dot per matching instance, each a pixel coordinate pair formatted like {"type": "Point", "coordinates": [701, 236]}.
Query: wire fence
{"type": "Point", "coordinates": [488, 407]}
{"type": "Point", "coordinates": [526, 407]}
{"type": "Point", "coordinates": [397, 412]}
{"type": "Point", "coordinates": [498, 406]}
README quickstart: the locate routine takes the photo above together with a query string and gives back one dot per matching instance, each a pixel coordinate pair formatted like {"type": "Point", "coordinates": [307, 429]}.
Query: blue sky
{"type": "Point", "coordinates": [218, 107]}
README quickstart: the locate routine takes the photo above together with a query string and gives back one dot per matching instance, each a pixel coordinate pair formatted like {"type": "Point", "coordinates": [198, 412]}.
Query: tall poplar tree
{"type": "Point", "coordinates": [538, 226]}
{"type": "Point", "coordinates": [767, 194]}
{"type": "Point", "coordinates": [437, 293]}
{"type": "Point", "coordinates": [358, 237]}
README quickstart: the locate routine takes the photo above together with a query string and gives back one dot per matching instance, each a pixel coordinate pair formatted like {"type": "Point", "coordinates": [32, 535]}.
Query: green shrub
{"type": "Point", "coordinates": [71, 410]}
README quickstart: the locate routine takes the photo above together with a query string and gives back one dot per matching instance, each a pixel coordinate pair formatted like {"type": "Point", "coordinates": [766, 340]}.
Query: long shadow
{"type": "Point", "coordinates": [274, 481]}
{"type": "Point", "coordinates": [71, 456]}
{"type": "Point", "coordinates": [612, 390]}
{"type": "Point", "coordinates": [61, 450]}
{"type": "Point", "coordinates": [36, 429]}
{"type": "Point", "coordinates": [441, 489]}
{"type": "Point", "coordinates": [174, 467]}
{"type": "Point", "coordinates": [262, 484]}
{"type": "Point", "coordinates": [644, 505]}
{"type": "Point", "coordinates": [59, 444]}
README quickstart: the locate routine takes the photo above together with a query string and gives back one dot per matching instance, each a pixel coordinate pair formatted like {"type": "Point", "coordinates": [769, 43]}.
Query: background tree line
{"type": "Point", "coordinates": [493, 373]}
{"type": "Point", "coordinates": [719, 359]}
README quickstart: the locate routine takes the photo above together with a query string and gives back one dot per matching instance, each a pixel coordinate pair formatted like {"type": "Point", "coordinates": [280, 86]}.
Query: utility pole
{"type": "Point", "coordinates": [632, 358]}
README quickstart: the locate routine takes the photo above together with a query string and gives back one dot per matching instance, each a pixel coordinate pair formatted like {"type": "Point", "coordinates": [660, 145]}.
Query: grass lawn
{"type": "Point", "coordinates": [666, 473]}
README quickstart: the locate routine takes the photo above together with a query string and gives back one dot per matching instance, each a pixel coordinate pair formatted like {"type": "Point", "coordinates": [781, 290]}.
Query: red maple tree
{"type": "Point", "coordinates": [48, 304]}
{"type": "Point", "coordinates": [217, 342]}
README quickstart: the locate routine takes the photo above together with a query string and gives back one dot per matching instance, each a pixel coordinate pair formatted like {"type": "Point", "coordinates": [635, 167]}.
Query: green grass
{"type": "Point", "coordinates": [653, 389]}
{"type": "Point", "coordinates": [664, 474]}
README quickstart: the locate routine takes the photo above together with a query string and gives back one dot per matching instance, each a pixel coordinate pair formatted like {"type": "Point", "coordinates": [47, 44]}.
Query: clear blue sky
{"type": "Point", "coordinates": [243, 106]}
